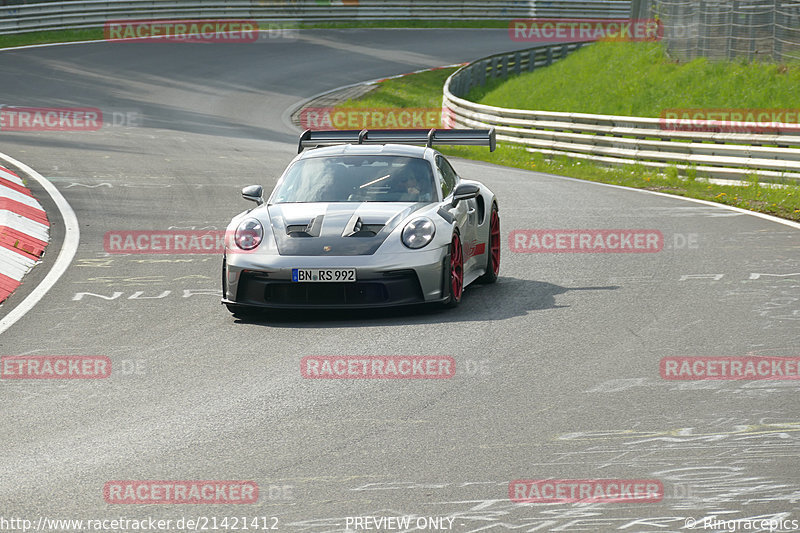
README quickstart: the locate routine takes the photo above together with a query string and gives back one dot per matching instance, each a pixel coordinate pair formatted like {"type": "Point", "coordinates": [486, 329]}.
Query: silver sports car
{"type": "Point", "coordinates": [364, 219]}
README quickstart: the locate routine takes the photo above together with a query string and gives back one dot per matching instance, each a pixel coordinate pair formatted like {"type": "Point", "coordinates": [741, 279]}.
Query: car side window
{"type": "Point", "coordinates": [448, 176]}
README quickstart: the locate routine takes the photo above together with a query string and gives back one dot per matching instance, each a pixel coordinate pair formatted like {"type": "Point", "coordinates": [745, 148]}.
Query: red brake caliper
{"type": "Point", "coordinates": [495, 241]}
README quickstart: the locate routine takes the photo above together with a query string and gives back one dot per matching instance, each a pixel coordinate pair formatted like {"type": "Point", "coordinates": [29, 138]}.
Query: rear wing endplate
{"type": "Point", "coordinates": [463, 137]}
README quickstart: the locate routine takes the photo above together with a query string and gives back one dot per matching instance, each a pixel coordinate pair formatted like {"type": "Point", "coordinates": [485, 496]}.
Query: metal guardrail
{"type": "Point", "coordinates": [79, 14]}
{"type": "Point", "coordinates": [614, 140]}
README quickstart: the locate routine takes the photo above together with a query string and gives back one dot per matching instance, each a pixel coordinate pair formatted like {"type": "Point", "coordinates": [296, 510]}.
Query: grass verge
{"type": "Point", "coordinates": [48, 37]}
{"type": "Point", "coordinates": [425, 90]}
{"type": "Point", "coordinates": [640, 79]}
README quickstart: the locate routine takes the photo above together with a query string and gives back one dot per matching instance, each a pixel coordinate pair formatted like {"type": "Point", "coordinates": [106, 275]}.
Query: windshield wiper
{"type": "Point", "coordinates": [375, 181]}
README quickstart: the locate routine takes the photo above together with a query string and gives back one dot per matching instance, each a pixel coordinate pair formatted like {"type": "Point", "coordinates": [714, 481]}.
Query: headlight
{"type": "Point", "coordinates": [418, 233]}
{"type": "Point", "coordinates": [249, 234]}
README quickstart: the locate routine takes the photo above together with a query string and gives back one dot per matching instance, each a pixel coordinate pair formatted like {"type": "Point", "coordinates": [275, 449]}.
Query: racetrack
{"type": "Point", "coordinates": [558, 364]}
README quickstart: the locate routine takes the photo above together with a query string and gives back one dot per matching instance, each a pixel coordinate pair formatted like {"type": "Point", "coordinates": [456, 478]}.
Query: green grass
{"type": "Point", "coordinates": [45, 37]}
{"type": "Point", "coordinates": [96, 34]}
{"type": "Point", "coordinates": [418, 90]}
{"type": "Point", "coordinates": [425, 90]}
{"type": "Point", "coordinates": [410, 24]}
{"type": "Point", "coordinates": [639, 79]}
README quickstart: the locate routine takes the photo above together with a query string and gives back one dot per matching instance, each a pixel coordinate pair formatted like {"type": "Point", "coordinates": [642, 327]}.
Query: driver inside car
{"type": "Point", "coordinates": [408, 188]}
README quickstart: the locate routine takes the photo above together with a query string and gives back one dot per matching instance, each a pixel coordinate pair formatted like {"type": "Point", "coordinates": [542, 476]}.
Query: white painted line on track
{"type": "Point", "coordinates": [65, 256]}
{"type": "Point", "coordinates": [42, 45]}
{"type": "Point", "coordinates": [790, 223]}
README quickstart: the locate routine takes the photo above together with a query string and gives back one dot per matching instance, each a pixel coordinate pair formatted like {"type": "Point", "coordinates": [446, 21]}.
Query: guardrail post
{"type": "Point", "coordinates": [752, 27]}
{"type": "Point", "coordinates": [731, 25]}
{"type": "Point", "coordinates": [636, 9]}
{"type": "Point", "coordinates": [532, 59]}
{"type": "Point", "coordinates": [482, 72]}
{"type": "Point", "coordinates": [777, 52]}
{"type": "Point", "coordinates": [702, 40]}
{"type": "Point", "coordinates": [549, 56]}
{"type": "Point", "coordinates": [474, 72]}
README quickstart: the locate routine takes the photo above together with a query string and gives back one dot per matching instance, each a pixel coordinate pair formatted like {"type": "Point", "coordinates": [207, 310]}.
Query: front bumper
{"type": "Point", "coordinates": [381, 280]}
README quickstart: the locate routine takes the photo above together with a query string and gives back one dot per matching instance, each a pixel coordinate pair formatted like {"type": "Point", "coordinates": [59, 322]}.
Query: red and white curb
{"type": "Point", "coordinates": [69, 247]}
{"type": "Point", "coordinates": [23, 231]}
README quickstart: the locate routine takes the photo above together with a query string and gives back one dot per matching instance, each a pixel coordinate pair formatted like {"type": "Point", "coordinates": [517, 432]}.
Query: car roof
{"type": "Point", "coordinates": [367, 149]}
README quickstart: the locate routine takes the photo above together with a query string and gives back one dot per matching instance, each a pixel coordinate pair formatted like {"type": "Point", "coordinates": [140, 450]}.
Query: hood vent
{"type": "Point", "coordinates": [356, 228]}
{"type": "Point", "coordinates": [341, 228]}
{"type": "Point", "coordinates": [312, 229]}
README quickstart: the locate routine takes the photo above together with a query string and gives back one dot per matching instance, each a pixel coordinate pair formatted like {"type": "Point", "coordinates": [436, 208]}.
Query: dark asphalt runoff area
{"type": "Point", "coordinates": [557, 365]}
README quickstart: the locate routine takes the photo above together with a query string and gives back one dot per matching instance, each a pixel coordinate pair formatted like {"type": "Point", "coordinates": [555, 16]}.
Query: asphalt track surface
{"type": "Point", "coordinates": [557, 364]}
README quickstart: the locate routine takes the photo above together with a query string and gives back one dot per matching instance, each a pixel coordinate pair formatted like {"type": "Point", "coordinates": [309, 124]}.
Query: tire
{"type": "Point", "coordinates": [455, 275]}
{"type": "Point", "coordinates": [493, 257]}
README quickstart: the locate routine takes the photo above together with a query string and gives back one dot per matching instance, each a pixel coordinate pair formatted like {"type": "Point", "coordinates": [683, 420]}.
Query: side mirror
{"type": "Point", "coordinates": [253, 193]}
{"type": "Point", "coordinates": [465, 191]}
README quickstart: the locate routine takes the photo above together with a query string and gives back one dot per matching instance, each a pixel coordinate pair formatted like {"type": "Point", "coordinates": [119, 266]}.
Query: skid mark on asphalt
{"type": "Point", "coordinates": [144, 182]}
{"type": "Point", "coordinates": [743, 388]}
{"type": "Point", "coordinates": [728, 476]}
{"type": "Point", "coordinates": [119, 260]}
{"type": "Point", "coordinates": [128, 281]}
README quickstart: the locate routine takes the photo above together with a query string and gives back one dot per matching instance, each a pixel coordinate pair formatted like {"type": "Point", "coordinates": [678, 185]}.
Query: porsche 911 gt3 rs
{"type": "Point", "coordinates": [364, 219]}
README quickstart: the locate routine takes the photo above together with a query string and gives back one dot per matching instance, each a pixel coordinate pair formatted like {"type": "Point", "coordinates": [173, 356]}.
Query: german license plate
{"type": "Point", "coordinates": [323, 275]}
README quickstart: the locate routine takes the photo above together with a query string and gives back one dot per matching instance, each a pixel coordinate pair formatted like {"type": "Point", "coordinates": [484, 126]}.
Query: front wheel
{"type": "Point", "coordinates": [456, 272]}
{"type": "Point", "coordinates": [493, 259]}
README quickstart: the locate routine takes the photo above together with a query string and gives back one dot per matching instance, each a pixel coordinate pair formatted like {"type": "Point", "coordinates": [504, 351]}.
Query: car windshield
{"type": "Point", "coordinates": [357, 179]}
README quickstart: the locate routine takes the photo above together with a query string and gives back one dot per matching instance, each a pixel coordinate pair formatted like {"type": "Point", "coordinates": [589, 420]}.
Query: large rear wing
{"type": "Point", "coordinates": [427, 137]}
